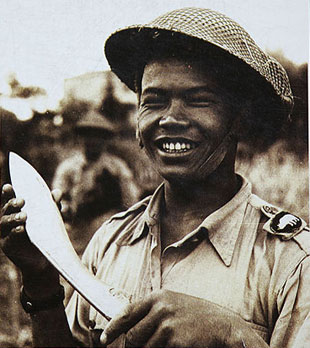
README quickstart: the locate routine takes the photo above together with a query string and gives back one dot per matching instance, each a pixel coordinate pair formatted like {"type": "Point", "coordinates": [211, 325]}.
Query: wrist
{"type": "Point", "coordinates": [41, 286]}
{"type": "Point", "coordinates": [33, 305]}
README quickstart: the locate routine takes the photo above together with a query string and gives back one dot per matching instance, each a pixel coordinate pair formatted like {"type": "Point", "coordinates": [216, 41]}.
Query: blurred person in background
{"type": "Point", "coordinates": [203, 261]}
{"type": "Point", "coordinates": [95, 183]}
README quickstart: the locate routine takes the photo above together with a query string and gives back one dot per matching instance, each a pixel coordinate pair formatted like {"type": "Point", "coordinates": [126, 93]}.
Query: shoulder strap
{"type": "Point", "coordinates": [280, 223]}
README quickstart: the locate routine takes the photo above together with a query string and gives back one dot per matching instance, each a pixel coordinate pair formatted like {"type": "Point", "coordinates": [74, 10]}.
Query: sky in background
{"type": "Point", "coordinates": [43, 41]}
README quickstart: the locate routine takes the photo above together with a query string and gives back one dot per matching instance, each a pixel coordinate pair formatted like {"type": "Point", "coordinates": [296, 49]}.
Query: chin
{"type": "Point", "coordinates": [179, 176]}
{"type": "Point", "coordinates": [186, 176]}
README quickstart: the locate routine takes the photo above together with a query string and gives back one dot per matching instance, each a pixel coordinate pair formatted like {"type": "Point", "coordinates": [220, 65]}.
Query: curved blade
{"type": "Point", "coordinates": [47, 232]}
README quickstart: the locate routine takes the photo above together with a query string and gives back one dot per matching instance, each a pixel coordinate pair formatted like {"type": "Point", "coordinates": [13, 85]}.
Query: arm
{"type": "Point", "coordinates": [292, 328]}
{"type": "Point", "coordinates": [40, 279]}
{"type": "Point", "coordinates": [50, 328]}
{"type": "Point", "coordinates": [169, 319]}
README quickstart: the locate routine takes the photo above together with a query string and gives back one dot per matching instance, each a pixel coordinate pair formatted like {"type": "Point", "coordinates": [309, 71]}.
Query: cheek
{"type": "Point", "coordinates": [215, 125]}
{"type": "Point", "coordinates": [146, 124]}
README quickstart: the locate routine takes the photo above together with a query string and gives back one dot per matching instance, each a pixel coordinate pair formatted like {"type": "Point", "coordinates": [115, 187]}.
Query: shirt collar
{"type": "Point", "coordinates": [153, 209]}
{"type": "Point", "coordinates": [222, 226]}
{"type": "Point", "coordinates": [134, 230]}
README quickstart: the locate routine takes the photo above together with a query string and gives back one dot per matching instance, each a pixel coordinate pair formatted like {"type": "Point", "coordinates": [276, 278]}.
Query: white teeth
{"type": "Point", "coordinates": [177, 147]}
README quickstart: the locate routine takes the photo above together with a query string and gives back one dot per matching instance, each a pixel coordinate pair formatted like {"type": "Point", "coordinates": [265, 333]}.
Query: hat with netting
{"type": "Point", "coordinates": [126, 49]}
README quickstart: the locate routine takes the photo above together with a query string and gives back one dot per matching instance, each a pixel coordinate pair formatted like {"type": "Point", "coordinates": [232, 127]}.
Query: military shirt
{"type": "Point", "coordinates": [230, 259]}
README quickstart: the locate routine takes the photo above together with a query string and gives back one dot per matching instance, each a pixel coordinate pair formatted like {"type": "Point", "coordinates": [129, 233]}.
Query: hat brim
{"type": "Point", "coordinates": [124, 53]}
{"type": "Point", "coordinates": [128, 50]}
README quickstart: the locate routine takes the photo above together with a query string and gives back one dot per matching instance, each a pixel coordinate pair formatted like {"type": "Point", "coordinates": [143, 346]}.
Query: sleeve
{"type": "Point", "coordinates": [303, 336]}
{"type": "Point", "coordinates": [78, 309]}
{"type": "Point", "coordinates": [84, 321]}
{"type": "Point", "coordinates": [292, 328]}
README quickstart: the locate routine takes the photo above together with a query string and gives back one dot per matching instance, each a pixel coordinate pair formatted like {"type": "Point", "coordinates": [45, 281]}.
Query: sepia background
{"type": "Point", "coordinates": [54, 81]}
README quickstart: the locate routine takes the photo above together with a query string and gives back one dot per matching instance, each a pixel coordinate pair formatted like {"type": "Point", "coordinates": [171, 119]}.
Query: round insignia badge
{"type": "Point", "coordinates": [285, 223]}
{"type": "Point", "coordinates": [269, 210]}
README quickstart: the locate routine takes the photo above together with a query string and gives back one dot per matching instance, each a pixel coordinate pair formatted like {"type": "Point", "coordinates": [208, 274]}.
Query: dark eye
{"type": "Point", "coordinates": [152, 102]}
{"type": "Point", "coordinates": [198, 100]}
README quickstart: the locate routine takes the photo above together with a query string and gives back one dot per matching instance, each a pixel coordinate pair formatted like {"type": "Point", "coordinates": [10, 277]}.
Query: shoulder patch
{"type": "Point", "coordinates": [282, 223]}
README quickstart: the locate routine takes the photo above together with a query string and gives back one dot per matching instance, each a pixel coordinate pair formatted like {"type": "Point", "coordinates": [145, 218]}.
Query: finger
{"type": "Point", "coordinates": [9, 222]}
{"type": "Point", "coordinates": [158, 340]}
{"type": "Point", "coordinates": [7, 193]}
{"type": "Point", "coordinates": [17, 236]}
{"type": "Point", "coordinates": [18, 229]}
{"type": "Point", "coordinates": [14, 205]}
{"type": "Point", "coordinates": [15, 244]}
{"type": "Point", "coordinates": [140, 334]}
{"type": "Point", "coordinates": [15, 232]}
{"type": "Point", "coordinates": [123, 322]}
{"type": "Point", "coordinates": [57, 195]}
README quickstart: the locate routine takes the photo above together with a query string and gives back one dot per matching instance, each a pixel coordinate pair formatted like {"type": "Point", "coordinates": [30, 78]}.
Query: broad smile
{"type": "Point", "coordinates": [175, 145]}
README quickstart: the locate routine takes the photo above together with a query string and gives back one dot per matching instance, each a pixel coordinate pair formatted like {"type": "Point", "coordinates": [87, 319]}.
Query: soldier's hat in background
{"type": "Point", "coordinates": [94, 123]}
{"type": "Point", "coordinates": [130, 48]}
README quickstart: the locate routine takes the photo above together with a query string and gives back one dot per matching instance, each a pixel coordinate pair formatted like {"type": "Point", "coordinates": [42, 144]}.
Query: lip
{"type": "Point", "coordinates": [175, 138]}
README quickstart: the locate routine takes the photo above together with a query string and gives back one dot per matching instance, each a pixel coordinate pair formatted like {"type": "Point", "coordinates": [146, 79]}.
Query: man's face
{"type": "Point", "coordinates": [184, 115]}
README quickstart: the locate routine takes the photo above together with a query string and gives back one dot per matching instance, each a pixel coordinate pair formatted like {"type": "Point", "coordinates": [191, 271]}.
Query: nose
{"type": "Point", "coordinates": [173, 122]}
{"type": "Point", "coordinates": [174, 117]}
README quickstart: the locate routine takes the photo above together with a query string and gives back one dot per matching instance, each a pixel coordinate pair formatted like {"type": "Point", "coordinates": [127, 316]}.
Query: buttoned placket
{"type": "Point", "coordinates": [162, 262]}
{"type": "Point", "coordinates": [159, 264]}
{"type": "Point", "coordinates": [155, 264]}
{"type": "Point", "coordinates": [177, 251]}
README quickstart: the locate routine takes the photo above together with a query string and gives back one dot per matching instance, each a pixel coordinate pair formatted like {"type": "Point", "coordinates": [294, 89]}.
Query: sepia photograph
{"type": "Point", "coordinates": [154, 174]}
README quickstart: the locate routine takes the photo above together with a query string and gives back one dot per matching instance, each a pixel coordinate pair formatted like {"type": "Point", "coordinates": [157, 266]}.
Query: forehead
{"type": "Point", "coordinates": [181, 73]}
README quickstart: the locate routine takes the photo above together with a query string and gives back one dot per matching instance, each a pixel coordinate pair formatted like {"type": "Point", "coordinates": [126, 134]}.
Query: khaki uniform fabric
{"type": "Point", "coordinates": [229, 260]}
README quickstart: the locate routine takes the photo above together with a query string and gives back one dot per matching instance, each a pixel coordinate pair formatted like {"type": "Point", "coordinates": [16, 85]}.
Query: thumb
{"type": "Point", "coordinates": [103, 339]}
{"type": "Point", "coordinates": [57, 195]}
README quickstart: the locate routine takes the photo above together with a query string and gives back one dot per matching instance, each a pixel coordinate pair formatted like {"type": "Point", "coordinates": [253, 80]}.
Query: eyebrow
{"type": "Point", "coordinates": [192, 90]}
{"type": "Point", "coordinates": [153, 90]}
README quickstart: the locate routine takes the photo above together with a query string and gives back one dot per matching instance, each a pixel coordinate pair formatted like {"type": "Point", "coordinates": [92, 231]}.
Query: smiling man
{"type": "Point", "coordinates": [203, 261]}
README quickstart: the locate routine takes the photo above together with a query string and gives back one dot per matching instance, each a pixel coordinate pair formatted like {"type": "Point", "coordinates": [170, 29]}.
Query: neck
{"type": "Point", "coordinates": [203, 197]}
{"type": "Point", "coordinates": [200, 198]}
{"type": "Point", "coordinates": [189, 202]}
